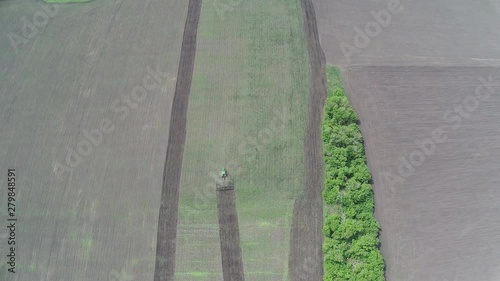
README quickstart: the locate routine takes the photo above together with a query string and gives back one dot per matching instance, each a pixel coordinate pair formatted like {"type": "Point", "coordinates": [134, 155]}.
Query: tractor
{"type": "Point", "coordinates": [224, 174]}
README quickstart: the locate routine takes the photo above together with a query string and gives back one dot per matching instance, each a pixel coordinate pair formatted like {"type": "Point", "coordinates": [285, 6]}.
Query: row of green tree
{"type": "Point", "coordinates": [351, 231]}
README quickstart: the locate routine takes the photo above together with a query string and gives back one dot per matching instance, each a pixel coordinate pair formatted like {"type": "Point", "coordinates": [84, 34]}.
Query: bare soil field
{"type": "Point", "coordinates": [92, 215]}
{"type": "Point", "coordinates": [445, 32]}
{"type": "Point", "coordinates": [438, 221]}
{"type": "Point", "coordinates": [433, 146]}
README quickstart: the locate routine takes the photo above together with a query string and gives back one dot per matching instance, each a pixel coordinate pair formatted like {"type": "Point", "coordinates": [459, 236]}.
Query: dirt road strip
{"type": "Point", "coordinates": [306, 238]}
{"type": "Point", "coordinates": [167, 221]}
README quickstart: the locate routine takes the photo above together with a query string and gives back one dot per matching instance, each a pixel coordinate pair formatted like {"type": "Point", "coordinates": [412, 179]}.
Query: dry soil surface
{"type": "Point", "coordinates": [232, 262]}
{"type": "Point", "coordinates": [96, 218]}
{"type": "Point", "coordinates": [419, 74]}
{"type": "Point", "coordinates": [167, 221]}
{"type": "Point", "coordinates": [306, 237]}
{"type": "Point", "coordinates": [446, 32]}
{"type": "Point", "coordinates": [438, 203]}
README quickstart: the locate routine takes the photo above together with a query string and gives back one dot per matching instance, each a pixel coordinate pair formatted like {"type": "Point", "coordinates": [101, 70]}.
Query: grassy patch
{"type": "Point", "coordinates": [87, 244]}
{"type": "Point", "coordinates": [351, 231]}
{"type": "Point", "coordinates": [247, 112]}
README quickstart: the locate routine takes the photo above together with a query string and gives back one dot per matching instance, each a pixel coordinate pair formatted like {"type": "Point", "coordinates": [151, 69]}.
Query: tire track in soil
{"type": "Point", "coordinates": [306, 237]}
{"type": "Point", "coordinates": [167, 221]}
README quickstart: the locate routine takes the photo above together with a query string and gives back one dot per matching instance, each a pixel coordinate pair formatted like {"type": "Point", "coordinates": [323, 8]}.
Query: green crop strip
{"type": "Point", "coordinates": [351, 231]}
